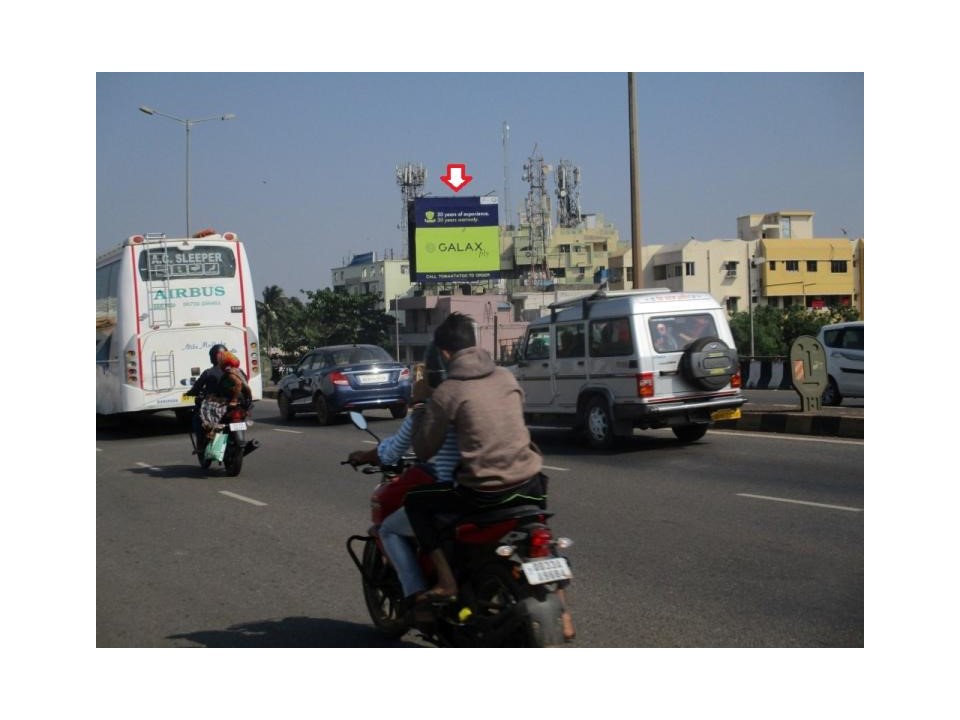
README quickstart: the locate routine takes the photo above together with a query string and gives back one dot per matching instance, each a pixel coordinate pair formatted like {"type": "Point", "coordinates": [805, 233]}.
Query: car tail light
{"type": "Point", "coordinates": [736, 380]}
{"type": "Point", "coordinates": [404, 374]}
{"type": "Point", "coordinates": [540, 542]}
{"type": "Point", "coordinates": [338, 378]}
{"type": "Point", "coordinates": [645, 385]}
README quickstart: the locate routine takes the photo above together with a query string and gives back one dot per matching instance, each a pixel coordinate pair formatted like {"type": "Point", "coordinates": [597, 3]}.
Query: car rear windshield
{"type": "Point", "coordinates": [360, 354]}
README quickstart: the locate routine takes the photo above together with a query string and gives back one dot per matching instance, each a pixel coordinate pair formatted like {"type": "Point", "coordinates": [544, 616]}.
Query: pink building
{"type": "Point", "coordinates": [497, 331]}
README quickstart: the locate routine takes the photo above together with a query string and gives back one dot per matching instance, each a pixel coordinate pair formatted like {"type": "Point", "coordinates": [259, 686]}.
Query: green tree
{"type": "Point", "coordinates": [333, 318]}
{"type": "Point", "coordinates": [775, 329]}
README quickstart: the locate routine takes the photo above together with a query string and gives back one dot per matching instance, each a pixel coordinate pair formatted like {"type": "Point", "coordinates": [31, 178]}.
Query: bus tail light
{"type": "Point", "coordinates": [132, 375]}
{"type": "Point", "coordinates": [645, 385]}
{"type": "Point", "coordinates": [253, 355]}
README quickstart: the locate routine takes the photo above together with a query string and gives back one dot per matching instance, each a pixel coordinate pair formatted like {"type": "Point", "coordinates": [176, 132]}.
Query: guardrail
{"type": "Point", "coordinates": [766, 374]}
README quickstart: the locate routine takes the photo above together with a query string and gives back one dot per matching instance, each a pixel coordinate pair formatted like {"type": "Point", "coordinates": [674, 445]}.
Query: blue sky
{"type": "Point", "coordinates": [305, 172]}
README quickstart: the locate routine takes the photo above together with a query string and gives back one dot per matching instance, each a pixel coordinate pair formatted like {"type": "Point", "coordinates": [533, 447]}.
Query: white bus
{"type": "Point", "coordinates": [161, 305]}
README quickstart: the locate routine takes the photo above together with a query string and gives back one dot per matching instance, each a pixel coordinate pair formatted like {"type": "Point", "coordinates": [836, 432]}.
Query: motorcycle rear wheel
{"type": "Point", "coordinates": [382, 592]}
{"type": "Point", "coordinates": [233, 459]}
{"type": "Point", "coordinates": [498, 592]}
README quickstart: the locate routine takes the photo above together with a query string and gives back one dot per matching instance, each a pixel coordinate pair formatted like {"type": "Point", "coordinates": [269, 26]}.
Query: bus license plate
{"type": "Point", "coordinates": [539, 572]}
{"type": "Point", "coordinates": [372, 379]}
{"type": "Point", "coordinates": [238, 426]}
{"type": "Point", "coordinates": [729, 414]}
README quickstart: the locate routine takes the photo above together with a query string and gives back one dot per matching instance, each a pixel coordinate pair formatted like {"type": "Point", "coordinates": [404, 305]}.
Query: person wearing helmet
{"type": "Point", "coordinates": [204, 386]}
{"type": "Point", "coordinates": [395, 531]}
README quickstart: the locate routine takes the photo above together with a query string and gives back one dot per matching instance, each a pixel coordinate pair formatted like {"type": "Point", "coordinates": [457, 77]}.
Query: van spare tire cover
{"type": "Point", "coordinates": [709, 363]}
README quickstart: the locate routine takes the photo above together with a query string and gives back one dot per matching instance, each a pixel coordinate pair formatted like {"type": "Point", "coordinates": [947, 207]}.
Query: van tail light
{"type": "Point", "coordinates": [645, 385]}
{"type": "Point", "coordinates": [736, 380]}
{"type": "Point", "coordinates": [540, 539]}
{"type": "Point", "coordinates": [338, 378]}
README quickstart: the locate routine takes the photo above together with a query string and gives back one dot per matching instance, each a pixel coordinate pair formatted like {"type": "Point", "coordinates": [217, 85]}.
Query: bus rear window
{"type": "Point", "coordinates": [200, 261]}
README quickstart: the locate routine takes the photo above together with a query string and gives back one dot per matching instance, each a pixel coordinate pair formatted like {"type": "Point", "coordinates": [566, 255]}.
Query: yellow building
{"type": "Point", "coordinates": [812, 273]}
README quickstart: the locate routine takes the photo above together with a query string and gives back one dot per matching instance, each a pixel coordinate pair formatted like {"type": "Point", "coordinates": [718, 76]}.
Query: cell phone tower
{"type": "Point", "coordinates": [568, 194]}
{"type": "Point", "coordinates": [538, 212]}
{"type": "Point", "coordinates": [411, 178]}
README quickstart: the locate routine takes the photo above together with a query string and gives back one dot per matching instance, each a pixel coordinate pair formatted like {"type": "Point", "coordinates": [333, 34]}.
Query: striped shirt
{"type": "Point", "coordinates": [391, 449]}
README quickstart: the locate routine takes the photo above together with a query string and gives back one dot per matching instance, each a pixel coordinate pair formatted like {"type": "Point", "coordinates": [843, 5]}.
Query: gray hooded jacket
{"type": "Point", "coordinates": [485, 405]}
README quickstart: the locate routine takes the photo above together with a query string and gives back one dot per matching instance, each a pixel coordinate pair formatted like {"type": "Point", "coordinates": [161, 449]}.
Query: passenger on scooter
{"type": "Point", "coordinates": [395, 531]}
{"type": "Point", "coordinates": [499, 467]}
{"type": "Point", "coordinates": [205, 385]}
{"type": "Point", "coordinates": [231, 390]}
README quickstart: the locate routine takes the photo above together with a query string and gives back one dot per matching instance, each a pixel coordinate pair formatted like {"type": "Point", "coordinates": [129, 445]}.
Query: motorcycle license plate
{"type": "Point", "coordinates": [238, 426]}
{"type": "Point", "coordinates": [539, 572]}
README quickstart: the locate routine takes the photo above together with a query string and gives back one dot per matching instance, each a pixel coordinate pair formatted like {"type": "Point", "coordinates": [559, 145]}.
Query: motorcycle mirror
{"type": "Point", "coordinates": [358, 419]}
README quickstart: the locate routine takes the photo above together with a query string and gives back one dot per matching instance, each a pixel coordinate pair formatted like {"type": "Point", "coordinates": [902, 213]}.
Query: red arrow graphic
{"type": "Point", "coordinates": [456, 177]}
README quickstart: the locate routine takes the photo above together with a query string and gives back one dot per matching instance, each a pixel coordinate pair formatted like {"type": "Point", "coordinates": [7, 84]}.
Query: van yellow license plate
{"type": "Point", "coordinates": [729, 414]}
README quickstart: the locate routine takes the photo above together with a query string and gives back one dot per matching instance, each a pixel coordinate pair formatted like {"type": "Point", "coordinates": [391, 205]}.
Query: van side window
{"type": "Point", "coordinates": [538, 344]}
{"type": "Point", "coordinates": [610, 337]}
{"type": "Point", "coordinates": [570, 342]}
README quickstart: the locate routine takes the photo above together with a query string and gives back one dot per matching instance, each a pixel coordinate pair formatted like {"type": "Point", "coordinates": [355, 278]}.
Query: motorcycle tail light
{"type": "Point", "coordinates": [540, 542]}
{"type": "Point", "coordinates": [505, 550]}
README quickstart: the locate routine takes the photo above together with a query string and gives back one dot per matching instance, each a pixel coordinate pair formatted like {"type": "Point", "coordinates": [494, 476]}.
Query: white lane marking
{"type": "Point", "coordinates": [295, 432]}
{"type": "Point", "coordinates": [148, 467]}
{"type": "Point", "coordinates": [787, 436]}
{"type": "Point", "coordinates": [241, 497]}
{"type": "Point", "coordinates": [551, 467]}
{"type": "Point", "coordinates": [800, 502]}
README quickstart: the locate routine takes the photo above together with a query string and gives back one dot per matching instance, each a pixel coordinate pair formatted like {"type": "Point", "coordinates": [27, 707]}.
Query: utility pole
{"type": "Point", "coordinates": [635, 238]}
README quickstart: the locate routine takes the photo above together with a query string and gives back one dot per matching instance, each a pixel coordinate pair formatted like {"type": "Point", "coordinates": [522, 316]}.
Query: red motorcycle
{"type": "Point", "coordinates": [506, 561]}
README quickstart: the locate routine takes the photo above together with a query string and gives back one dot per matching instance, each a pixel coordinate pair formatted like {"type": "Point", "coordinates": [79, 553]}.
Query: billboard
{"type": "Point", "coordinates": [454, 239]}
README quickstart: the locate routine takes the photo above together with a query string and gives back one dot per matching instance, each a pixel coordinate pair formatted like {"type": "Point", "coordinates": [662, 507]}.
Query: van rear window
{"type": "Point", "coordinates": [676, 332]}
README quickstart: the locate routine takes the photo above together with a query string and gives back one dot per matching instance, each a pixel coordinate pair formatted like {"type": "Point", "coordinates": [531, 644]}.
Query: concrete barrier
{"type": "Point", "coordinates": [766, 374]}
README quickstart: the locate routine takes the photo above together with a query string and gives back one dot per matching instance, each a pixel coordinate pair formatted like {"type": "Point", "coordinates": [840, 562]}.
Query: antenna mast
{"type": "Point", "coordinates": [506, 176]}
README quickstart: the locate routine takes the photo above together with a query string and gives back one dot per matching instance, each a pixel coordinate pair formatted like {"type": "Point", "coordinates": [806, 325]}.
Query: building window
{"type": "Point", "coordinates": [787, 301]}
{"type": "Point", "coordinates": [731, 267]}
{"type": "Point", "coordinates": [773, 264]}
{"type": "Point", "coordinates": [659, 272]}
{"type": "Point", "coordinates": [630, 274]}
{"type": "Point", "coordinates": [838, 266]}
{"type": "Point", "coordinates": [774, 301]}
{"type": "Point", "coordinates": [688, 269]}
{"type": "Point", "coordinates": [811, 265]}
{"type": "Point", "coordinates": [785, 228]}
{"type": "Point", "coordinates": [732, 303]}
{"type": "Point", "coordinates": [793, 265]}
{"type": "Point", "coordinates": [404, 269]}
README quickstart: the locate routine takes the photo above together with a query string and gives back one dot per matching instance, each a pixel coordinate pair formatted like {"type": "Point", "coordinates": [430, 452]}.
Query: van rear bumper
{"type": "Point", "coordinates": [667, 414]}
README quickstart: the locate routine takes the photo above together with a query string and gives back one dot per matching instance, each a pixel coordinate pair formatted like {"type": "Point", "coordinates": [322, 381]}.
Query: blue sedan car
{"type": "Point", "coordinates": [336, 379]}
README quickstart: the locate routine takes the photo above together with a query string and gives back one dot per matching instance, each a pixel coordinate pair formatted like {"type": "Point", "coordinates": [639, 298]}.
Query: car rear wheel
{"type": "Point", "coordinates": [598, 424]}
{"type": "Point", "coordinates": [324, 416]}
{"type": "Point", "coordinates": [831, 395]}
{"type": "Point", "coordinates": [286, 412]}
{"type": "Point", "coordinates": [689, 433]}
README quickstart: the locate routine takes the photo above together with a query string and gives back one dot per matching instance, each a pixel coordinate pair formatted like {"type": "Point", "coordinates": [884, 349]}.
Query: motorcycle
{"type": "Point", "coordinates": [507, 564]}
{"type": "Point", "coordinates": [234, 425]}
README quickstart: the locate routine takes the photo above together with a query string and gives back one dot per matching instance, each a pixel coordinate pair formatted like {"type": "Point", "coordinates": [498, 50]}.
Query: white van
{"type": "Point", "coordinates": [609, 362]}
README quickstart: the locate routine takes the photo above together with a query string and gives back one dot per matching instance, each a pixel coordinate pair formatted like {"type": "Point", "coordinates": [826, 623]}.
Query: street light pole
{"type": "Point", "coordinates": [754, 262]}
{"type": "Point", "coordinates": [187, 124]}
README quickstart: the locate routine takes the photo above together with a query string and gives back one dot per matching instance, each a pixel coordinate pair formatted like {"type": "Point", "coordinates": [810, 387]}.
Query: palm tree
{"type": "Point", "coordinates": [270, 309]}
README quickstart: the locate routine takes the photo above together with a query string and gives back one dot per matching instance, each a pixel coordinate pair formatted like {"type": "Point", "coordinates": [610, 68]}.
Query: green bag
{"type": "Point", "coordinates": [216, 447]}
